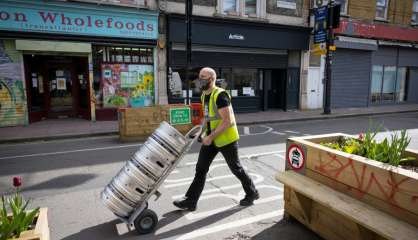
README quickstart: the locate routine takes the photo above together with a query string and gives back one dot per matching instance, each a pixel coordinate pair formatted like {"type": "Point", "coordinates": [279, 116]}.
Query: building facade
{"type": "Point", "coordinates": [76, 59]}
{"type": "Point", "coordinates": [256, 47]}
{"type": "Point", "coordinates": [376, 61]}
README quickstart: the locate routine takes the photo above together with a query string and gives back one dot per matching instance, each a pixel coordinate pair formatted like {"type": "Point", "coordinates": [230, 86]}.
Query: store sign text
{"type": "Point", "coordinates": [236, 37]}
{"type": "Point", "coordinates": [61, 21]}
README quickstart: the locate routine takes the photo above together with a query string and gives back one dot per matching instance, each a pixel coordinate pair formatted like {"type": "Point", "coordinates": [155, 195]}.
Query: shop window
{"type": "Point", "coordinates": [251, 7]}
{"type": "Point", "coordinates": [238, 82]}
{"type": "Point", "coordinates": [401, 85]}
{"type": "Point", "coordinates": [382, 9]}
{"type": "Point", "coordinates": [123, 76]}
{"type": "Point", "coordinates": [414, 18]}
{"type": "Point", "coordinates": [389, 81]}
{"type": "Point", "coordinates": [389, 84]}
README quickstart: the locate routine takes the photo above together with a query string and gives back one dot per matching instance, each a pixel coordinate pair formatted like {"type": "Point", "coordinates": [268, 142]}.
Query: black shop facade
{"type": "Point", "coordinates": [257, 63]}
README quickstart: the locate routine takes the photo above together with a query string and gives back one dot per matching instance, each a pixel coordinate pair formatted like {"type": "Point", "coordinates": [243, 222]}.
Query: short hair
{"type": "Point", "coordinates": [211, 72]}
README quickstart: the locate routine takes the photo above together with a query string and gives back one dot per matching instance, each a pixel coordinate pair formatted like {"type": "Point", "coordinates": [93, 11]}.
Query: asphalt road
{"type": "Point", "coordinates": [67, 176]}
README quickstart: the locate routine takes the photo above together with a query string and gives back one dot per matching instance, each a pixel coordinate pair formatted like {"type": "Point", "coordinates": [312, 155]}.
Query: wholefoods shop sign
{"type": "Point", "coordinates": [66, 18]}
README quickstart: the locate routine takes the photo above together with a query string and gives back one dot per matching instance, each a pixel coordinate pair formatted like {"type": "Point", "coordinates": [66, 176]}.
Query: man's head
{"type": "Point", "coordinates": [207, 78]}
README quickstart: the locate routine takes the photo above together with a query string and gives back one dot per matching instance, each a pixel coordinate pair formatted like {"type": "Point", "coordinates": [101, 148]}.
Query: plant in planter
{"type": "Point", "coordinates": [390, 152]}
{"type": "Point", "coordinates": [14, 217]}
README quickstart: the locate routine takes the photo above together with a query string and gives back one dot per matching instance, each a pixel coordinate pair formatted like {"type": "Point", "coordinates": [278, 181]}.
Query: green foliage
{"type": "Point", "coordinates": [390, 152]}
{"type": "Point", "coordinates": [12, 225]}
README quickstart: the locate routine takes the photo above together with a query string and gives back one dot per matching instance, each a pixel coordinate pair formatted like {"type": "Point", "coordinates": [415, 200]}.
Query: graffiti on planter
{"type": "Point", "coordinates": [12, 94]}
{"type": "Point", "coordinates": [365, 179]}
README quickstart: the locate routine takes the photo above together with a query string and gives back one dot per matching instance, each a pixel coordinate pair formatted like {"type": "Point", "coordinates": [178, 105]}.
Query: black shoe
{"type": "Point", "coordinates": [249, 199]}
{"type": "Point", "coordinates": [185, 204]}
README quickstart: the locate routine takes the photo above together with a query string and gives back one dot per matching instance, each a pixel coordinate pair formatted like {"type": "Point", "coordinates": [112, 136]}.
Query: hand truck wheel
{"type": "Point", "coordinates": [146, 222]}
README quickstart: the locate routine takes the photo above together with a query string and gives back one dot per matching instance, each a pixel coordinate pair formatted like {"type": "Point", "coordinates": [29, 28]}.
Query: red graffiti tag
{"type": "Point", "coordinates": [334, 167]}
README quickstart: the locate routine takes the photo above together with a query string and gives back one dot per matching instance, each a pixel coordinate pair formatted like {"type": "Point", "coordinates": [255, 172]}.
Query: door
{"type": "Point", "coordinates": [61, 92]}
{"type": "Point", "coordinates": [292, 88]}
{"type": "Point", "coordinates": [275, 88]}
{"type": "Point", "coordinates": [314, 88]}
{"type": "Point", "coordinates": [82, 92]}
{"type": "Point", "coordinates": [36, 87]}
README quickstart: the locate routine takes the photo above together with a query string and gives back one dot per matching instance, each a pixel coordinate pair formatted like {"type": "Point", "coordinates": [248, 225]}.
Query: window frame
{"type": "Point", "coordinates": [386, 12]}
{"type": "Point", "coordinates": [414, 6]}
{"type": "Point", "coordinates": [240, 9]}
{"type": "Point", "coordinates": [344, 8]}
{"type": "Point", "coordinates": [396, 93]}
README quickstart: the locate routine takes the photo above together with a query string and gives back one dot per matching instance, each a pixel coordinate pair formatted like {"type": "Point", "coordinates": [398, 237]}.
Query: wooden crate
{"type": "Point", "coordinates": [41, 230]}
{"type": "Point", "coordinates": [137, 124]}
{"type": "Point", "coordinates": [391, 189]}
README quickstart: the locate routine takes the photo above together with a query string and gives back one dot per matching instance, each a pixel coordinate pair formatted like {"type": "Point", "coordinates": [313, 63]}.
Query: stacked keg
{"type": "Point", "coordinates": [141, 173]}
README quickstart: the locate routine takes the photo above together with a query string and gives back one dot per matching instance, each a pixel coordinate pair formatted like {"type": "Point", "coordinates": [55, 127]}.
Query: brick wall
{"type": "Point", "coordinates": [399, 11]}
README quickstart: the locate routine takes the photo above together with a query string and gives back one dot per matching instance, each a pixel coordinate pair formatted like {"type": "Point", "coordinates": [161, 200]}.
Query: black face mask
{"type": "Point", "coordinates": [205, 84]}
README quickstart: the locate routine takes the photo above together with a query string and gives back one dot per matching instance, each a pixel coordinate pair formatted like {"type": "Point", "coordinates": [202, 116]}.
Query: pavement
{"type": "Point", "coordinates": [51, 129]}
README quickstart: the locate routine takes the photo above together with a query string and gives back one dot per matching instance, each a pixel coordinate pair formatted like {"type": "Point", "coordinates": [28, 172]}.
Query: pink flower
{"type": "Point", "coordinates": [361, 136]}
{"type": "Point", "coordinates": [17, 181]}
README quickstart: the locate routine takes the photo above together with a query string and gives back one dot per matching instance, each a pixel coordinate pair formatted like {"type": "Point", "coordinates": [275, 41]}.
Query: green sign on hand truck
{"type": "Point", "coordinates": [180, 116]}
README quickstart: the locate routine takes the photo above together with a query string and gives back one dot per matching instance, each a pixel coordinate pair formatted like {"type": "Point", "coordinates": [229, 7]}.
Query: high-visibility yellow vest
{"type": "Point", "coordinates": [230, 134]}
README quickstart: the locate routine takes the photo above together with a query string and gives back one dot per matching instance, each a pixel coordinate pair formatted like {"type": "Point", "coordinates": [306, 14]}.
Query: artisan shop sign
{"type": "Point", "coordinates": [72, 19]}
{"type": "Point", "coordinates": [180, 116]}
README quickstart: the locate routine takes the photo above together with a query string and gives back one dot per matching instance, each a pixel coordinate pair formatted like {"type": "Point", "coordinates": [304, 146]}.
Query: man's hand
{"type": "Point", "coordinates": [207, 140]}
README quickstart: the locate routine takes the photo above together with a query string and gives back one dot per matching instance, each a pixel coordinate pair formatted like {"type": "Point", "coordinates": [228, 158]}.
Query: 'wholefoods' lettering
{"type": "Point", "coordinates": [85, 21]}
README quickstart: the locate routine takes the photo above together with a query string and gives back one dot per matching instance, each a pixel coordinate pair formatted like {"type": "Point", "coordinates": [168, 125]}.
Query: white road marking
{"type": "Point", "coordinates": [193, 216]}
{"type": "Point", "coordinates": [248, 156]}
{"type": "Point", "coordinates": [239, 223]}
{"type": "Point", "coordinates": [294, 132]}
{"type": "Point", "coordinates": [280, 156]}
{"type": "Point", "coordinates": [278, 133]}
{"type": "Point", "coordinates": [70, 151]}
{"type": "Point", "coordinates": [246, 131]}
{"type": "Point", "coordinates": [221, 189]}
{"type": "Point", "coordinates": [207, 180]}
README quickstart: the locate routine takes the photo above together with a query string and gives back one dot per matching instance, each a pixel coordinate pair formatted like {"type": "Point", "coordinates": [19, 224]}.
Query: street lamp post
{"type": "Point", "coordinates": [189, 13]}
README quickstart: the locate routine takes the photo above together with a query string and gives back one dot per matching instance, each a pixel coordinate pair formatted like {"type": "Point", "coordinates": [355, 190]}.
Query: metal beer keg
{"type": "Point", "coordinates": [116, 202]}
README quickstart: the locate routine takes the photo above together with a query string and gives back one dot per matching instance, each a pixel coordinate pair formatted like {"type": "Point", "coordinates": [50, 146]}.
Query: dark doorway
{"type": "Point", "coordinates": [275, 89]}
{"type": "Point", "coordinates": [57, 87]}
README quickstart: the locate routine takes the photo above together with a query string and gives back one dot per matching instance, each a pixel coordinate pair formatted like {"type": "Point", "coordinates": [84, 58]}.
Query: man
{"type": "Point", "coordinates": [221, 135]}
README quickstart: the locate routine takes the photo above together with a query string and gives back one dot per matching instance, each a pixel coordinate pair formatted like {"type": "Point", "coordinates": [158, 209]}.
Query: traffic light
{"type": "Point", "coordinates": [335, 20]}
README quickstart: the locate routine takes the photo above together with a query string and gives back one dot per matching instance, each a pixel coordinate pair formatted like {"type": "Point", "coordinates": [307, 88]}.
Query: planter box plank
{"type": "Point", "coordinates": [335, 215]}
{"type": "Point", "coordinates": [395, 187]}
{"type": "Point", "coordinates": [41, 230]}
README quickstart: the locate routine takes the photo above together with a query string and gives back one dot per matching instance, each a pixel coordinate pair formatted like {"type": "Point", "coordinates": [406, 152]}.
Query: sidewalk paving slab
{"type": "Point", "coordinates": [52, 129]}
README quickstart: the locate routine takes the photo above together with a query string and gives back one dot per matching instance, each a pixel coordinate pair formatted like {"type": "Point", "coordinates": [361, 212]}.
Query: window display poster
{"type": "Point", "coordinates": [127, 85]}
{"type": "Point", "coordinates": [40, 84]}
{"type": "Point", "coordinates": [234, 92]}
{"type": "Point", "coordinates": [246, 91]}
{"type": "Point", "coordinates": [61, 84]}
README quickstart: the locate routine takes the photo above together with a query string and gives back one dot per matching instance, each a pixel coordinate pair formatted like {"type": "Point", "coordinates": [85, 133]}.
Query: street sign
{"type": "Point", "coordinates": [320, 29]}
{"type": "Point", "coordinates": [180, 116]}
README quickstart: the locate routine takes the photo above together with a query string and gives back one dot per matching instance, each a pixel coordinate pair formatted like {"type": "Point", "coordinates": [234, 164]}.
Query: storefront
{"type": "Point", "coordinates": [258, 63]}
{"type": "Point", "coordinates": [369, 70]}
{"type": "Point", "coordinates": [61, 59]}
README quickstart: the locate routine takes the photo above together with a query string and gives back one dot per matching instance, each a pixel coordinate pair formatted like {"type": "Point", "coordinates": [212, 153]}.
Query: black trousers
{"type": "Point", "coordinates": [206, 156]}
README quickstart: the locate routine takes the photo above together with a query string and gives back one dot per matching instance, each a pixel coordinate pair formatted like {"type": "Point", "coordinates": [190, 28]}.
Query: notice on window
{"type": "Point", "coordinates": [246, 91]}
{"type": "Point", "coordinates": [234, 93]}
{"type": "Point", "coordinates": [41, 84]}
{"type": "Point", "coordinates": [287, 4]}
{"type": "Point", "coordinates": [34, 82]}
{"type": "Point", "coordinates": [61, 84]}
{"type": "Point", "coordinates": [59, 73]}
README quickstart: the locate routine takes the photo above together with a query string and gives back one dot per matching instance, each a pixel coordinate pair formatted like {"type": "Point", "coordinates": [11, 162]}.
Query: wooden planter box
{"type": "Point", "coordinates": [41, 230]}
{"type": "Point", "coordinates": [137, 124]}
{"type": "Point", "coordinates": [393, 190]}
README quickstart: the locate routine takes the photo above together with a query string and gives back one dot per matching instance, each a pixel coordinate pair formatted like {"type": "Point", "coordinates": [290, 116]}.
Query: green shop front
{"type": "Point", "coordinates": [72, 60]}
